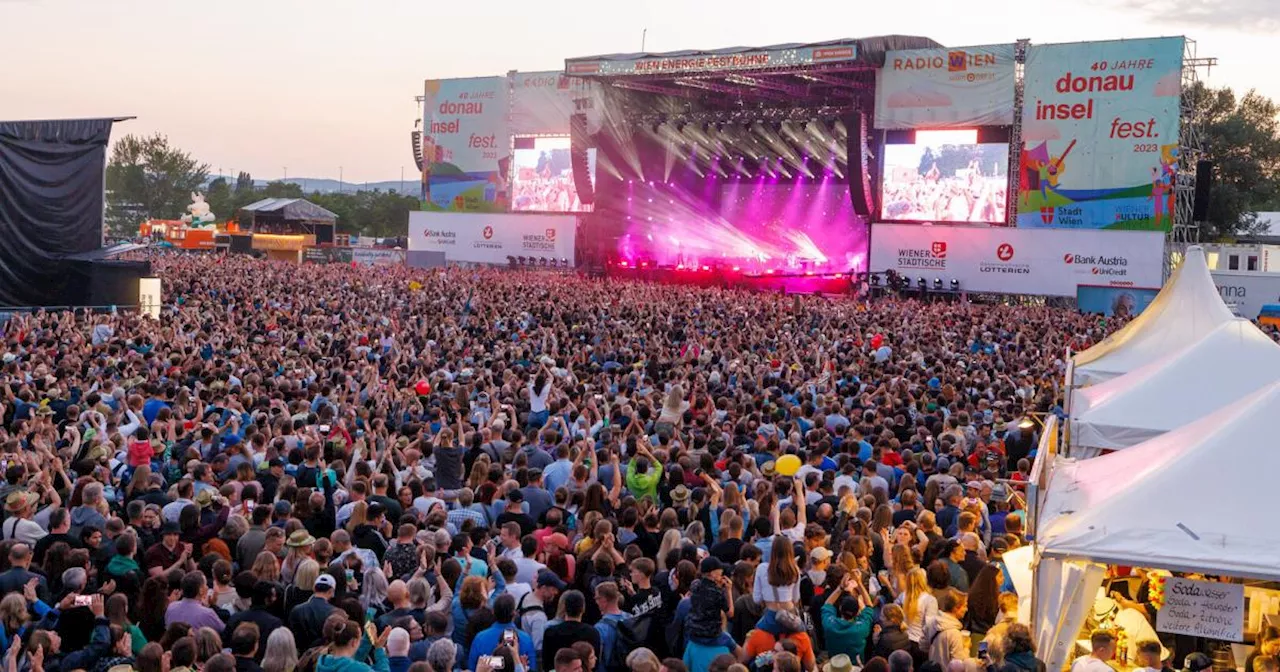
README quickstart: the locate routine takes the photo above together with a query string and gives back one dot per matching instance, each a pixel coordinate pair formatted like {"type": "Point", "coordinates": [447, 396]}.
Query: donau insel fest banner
{"type": "Point", "coordinates": [1100, 135]}
{"type": "Point", "coordinates": [466, 146]}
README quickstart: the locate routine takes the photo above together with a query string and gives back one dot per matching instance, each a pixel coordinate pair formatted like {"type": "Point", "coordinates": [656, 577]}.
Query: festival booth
{"type": "Point", "coordinates": [1186, 310]}
{"type": "Point", "coordinates": [1233, 361]}
{"type": "Point", "coordinates": [1189, 501]}
{"type": "Point", "coordinates": [283, 227]}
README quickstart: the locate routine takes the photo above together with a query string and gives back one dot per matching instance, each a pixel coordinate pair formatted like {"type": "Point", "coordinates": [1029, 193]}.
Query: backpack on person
{"type": "Point", "coordinates": [523, 609]}
{"type": "Point", "coordinates": [632, 634]}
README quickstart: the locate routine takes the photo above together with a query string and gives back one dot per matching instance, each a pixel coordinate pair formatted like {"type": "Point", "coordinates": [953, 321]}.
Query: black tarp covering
{"type": "Point", "coordinates": [51, 191]}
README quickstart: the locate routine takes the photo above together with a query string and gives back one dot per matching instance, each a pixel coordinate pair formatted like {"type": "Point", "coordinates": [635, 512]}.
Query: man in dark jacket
{"type": "Point", "coordinates": [265, 596]}
{"type": "Point", "coordinates": [572, 629]}
{"type": "Point", "coordinates": [369, 536]}
{"type": "Point", "coordinates": [244, 646]}
{"type": "Point", "coordinates": [12, 581]}
{"type": "Point", "coordinates": [307, 620]}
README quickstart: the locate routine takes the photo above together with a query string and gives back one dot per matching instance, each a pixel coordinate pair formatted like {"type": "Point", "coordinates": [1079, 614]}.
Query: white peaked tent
{"type": "Point", "coordinates": [1188, 500]}
{"type": "Point", "coordinates": [1185, 310]}
{"type": "Point", "coordinates": [1231, 362]}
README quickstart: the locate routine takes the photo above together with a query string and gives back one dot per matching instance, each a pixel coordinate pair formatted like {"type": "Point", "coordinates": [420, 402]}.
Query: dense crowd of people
{"type": "Point", "coordinates": [340, 469]}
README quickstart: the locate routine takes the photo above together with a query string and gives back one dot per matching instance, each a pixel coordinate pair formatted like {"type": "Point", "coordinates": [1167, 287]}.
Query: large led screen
{"type": "Point", "coordinates": [946, 177]}
{"type": "Point", "coordinates": [543, 179]}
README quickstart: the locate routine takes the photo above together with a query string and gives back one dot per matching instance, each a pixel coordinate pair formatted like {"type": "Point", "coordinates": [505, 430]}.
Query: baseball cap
{"type": "Point", "coordinates": [325, 581]}
{"type": "Point", "coordinates": [820, 554]}
{"type": "Point", "coordinates": [547, 577]}
{"type": "Point", "coordinates": [710, 564]}
{"type": "Point", "coordinates": [1197, 662]}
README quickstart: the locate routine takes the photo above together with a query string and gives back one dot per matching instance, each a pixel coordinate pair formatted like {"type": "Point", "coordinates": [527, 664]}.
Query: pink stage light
{"type": "Point", "coordinates": [837, 276]}
{"type": "Point", "coordinates": [644, 264]}
{"type": "Point", "coordinates": [706, 268]}
{"type": "Point", "coordinates": [808, 272]}
{"type": "Point", "coordinates": [736, 269]}
{"type": "Point", "coordinates": [623, 263]}
{"type": "Point", "coordinates": [768, 271]}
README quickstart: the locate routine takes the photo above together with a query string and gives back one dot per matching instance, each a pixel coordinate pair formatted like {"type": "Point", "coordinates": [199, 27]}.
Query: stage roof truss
{"type": "Point", "coordinates": [768, 83]}
{"type": "Point", "coordinates": [832, 80]}
{"type": "Point", "coordinates": [646, 87]}
{"type": "Point", "coordinates": [730, 88]}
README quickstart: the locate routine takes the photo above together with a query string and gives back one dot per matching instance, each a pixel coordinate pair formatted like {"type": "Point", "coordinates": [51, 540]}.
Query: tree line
{"type": "Point", "coordinates": [147, 178]}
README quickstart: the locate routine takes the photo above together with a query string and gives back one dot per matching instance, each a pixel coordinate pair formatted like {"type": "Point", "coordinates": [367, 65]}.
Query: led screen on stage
{"type": "Point", "coordinates": [543, 179]}
{"type": "Point", "coordinates": [946, 177]}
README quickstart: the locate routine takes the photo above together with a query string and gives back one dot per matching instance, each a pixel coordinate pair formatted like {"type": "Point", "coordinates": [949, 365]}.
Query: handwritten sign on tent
{"type": "Point", "coordinates": [1203, 609]}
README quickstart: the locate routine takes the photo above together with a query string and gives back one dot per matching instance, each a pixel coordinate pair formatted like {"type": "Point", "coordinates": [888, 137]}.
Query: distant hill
{"type": "Point", "coordinates": [327, 186]}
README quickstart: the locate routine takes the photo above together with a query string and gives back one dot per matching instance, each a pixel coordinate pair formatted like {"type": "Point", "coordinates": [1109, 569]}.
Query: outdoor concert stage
{"type": "Point", "coordinates": [809, 282]}
{"type": "Point", "coordinates": [742, 167]}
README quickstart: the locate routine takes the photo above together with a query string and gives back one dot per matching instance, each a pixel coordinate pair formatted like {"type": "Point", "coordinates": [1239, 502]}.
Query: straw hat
{"type": "Point", "coordinates": [299, 539]}
{"type": "Point", "coordinates": [17, 501]}
{"type": "Point", "coordinates": [838, 663]}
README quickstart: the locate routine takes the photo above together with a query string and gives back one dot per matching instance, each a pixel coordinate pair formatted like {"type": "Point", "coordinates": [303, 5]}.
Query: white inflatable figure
{"type": "Point", "coordinates": [198, 215]}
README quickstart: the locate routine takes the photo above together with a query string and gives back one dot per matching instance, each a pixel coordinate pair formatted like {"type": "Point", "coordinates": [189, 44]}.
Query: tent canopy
{"type": "Point", "coordinates": [290, 208]}
{"type": "Point", "coordinates": [1186, 310]}
{"type": "Point", "coordinates": [1193, 499]}
{"type": "Point", "coordinates": [1233, 361]}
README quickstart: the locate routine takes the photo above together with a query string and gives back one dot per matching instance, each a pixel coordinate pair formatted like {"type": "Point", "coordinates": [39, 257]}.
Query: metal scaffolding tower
{"type": "Point", "coordinates": [1186, 231]}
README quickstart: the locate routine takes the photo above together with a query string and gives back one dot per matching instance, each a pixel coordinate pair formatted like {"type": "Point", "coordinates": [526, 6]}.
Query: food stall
{"type": "Point", "coordinates": [1189, 506]}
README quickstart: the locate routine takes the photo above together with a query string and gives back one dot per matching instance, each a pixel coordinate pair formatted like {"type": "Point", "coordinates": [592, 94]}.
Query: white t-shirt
{"type": "Point", "coordinates": [538, 398]}
{"type": "Point", "coordinates": [806, 469]}
{"type": "Point", "coordinates": [22, 529]}
{"type": "Point", "coordinates": [1090, 664]}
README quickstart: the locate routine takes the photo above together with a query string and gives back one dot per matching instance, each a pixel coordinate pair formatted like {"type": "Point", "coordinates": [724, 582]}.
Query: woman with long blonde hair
{"type": "Point", "coordinates": [670, 540]}
{"type": "Point", "coordinates": [733, 499]}
{"type": "Point", "coordinates": [359, 516]}
{"type": "Point", "coordinates": [303, 586]}
{"type": "Point", "coordinates": [696, 534]}
{"type": "Point", "coordinates": [920, 607]}
{"type": "Point", "coordinates": [479, 472]}
{"type": "Point", "coordinates": [900, 562]}
{"type": "Point", "coordinates": [266, 567]}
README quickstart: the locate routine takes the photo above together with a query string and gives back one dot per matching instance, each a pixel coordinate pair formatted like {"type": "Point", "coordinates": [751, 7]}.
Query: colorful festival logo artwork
{"type": "Point", "coordinates": [466, 146]}
{"type": "Point", "coordinates": [1100, 131]}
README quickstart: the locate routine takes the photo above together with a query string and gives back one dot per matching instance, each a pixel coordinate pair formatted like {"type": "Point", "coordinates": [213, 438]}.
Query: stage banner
{"type": "Point", "coordinates": [542, 102]}
{"type": "Point", "coordinates": [1246, 293]}
{"type": "Point", "coordinates": [326, 255]}
{"type": "Point", "coordinates": [715, 61]}
{"type": "Point", "coordinates": [377, 256]}
{"type": "Point", "coordinates": [491, 238]}
{"type": "Point", "coordinates": [946, 88]}
{"type": "Point", "coordinates": [466, 144]}
{"type": "Point", "coordinates": [1100, 135]}
{"type": "Point", "coordinates": [1019, 261]}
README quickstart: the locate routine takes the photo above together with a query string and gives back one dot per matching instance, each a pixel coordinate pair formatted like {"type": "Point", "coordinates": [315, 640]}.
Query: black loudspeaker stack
{"type": "Point", "coordinates": [860, 170]}
{"type": "Point", "coordinates": [579, 142]}
{"type": "Point", "coordinates": [1204, 185]}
